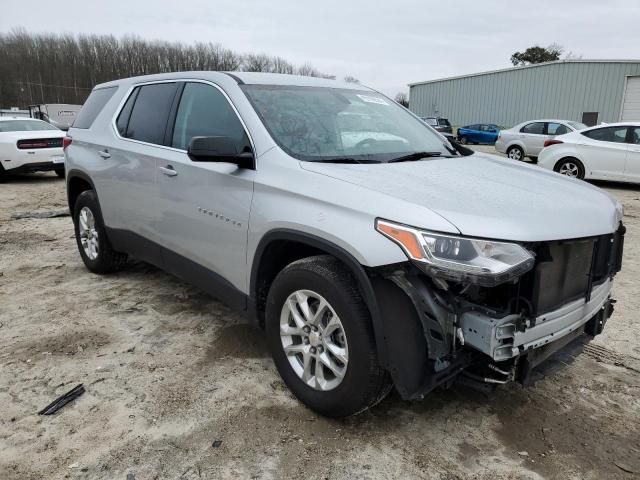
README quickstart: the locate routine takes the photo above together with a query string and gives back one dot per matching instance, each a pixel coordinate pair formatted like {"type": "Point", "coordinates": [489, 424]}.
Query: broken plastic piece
{"type": "Point", "coordinates": [61, 401]}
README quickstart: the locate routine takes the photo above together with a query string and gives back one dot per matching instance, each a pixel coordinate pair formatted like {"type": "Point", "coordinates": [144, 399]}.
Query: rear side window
{"type": "Point", "coordinates": [150, 112]}
{"type": "Point", "coordinates": [205, 112]}
{"type": "Point", "coordinates": [536, 128]}
{"type": "Point", "coordinates": [93, 106]}
{"type": "Point", "coordinates": [556, 129]}
{"type": "Point", "coordinates": [431, 121]}
{"type": "Point", "coordinates": [607, 134]}
{"type": "Point", "coordinates": [444, 121]}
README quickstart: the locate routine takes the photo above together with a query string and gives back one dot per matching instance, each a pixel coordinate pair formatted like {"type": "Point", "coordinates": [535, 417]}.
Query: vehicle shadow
{"type": "Point", "coordinates": [30, 178]}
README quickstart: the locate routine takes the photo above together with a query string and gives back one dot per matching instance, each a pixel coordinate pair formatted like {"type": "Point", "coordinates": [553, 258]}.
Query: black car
{"type": "Point", "coordinates": [441, 124]}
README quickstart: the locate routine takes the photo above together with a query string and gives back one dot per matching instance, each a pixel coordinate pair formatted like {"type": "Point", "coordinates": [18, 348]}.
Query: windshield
{"type": "Point", "coordinates": [577, 125]}
{"type": "Point", "coordinates": [321, 124]}
{"type": "Point", "coordinates": [25, 126]}
{"type": "Point", "coordinates": [444, 121]}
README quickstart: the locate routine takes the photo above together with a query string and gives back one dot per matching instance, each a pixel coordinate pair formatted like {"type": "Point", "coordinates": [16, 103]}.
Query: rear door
{"type": "Point", "coordinates": [130, 162]}
{"type": "Point", "coordinates": [205, 205]}
{"type": "Point", "coordinates": [632, 167]}
{"type": "Point", "coordinates": [605, 151]}
{"type": "Point", "coordinates": [533, 136]}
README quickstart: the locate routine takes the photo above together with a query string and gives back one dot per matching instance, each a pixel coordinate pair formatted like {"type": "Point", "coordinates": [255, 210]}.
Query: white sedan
{"type": "Point", "coordinates": [28, 145]}
{"type": "Point", "coordinates": [604, 152]}
{"type": "Point", "coordinates": [527, 138]}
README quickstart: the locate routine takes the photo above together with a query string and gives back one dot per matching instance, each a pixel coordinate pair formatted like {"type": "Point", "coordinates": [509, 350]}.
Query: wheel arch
{"type": "Point", "coordinates": [279, 247]}
{"type": "Point", "coordinates": [77, 182]}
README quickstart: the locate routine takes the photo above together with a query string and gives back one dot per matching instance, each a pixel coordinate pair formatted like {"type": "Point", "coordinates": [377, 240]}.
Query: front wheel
{"type": "Point", "coordinates": [464, 140]}
{"type": "Point", "coordinates": [321, 338]}
{"type": "Point", "coordinates": [571, 167]}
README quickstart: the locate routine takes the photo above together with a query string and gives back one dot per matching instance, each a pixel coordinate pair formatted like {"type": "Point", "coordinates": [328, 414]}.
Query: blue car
{"type": "Point", "coordinates": [478, 133]}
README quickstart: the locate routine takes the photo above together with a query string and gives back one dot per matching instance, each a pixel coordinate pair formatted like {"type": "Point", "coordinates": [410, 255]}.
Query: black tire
{"type": "Point", "coordinates": [464, 141]}
{"type": "Point", "coordinates": [564, 162]}
{"type": "Point", "coordinates": [60, 172]}
{"type": "Point", "coordinates": [365, 382]}
{"type": "Point", "coordinates": [516, 153]}
{"type": "Point", "coordinates": [107, 260]}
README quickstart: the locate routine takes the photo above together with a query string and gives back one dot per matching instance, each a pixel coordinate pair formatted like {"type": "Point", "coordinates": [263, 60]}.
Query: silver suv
{"type": "Point", "coordinates": [372, 252]}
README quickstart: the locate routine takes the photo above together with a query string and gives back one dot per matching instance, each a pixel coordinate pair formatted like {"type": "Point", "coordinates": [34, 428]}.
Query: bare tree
{"type": "Point", "coordinates": [403, 99]}
{"type": "Point", "coordinates": [48, 68]}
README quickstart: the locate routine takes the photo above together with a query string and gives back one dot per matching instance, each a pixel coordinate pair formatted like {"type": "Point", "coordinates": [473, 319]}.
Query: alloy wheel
{"type": "Point", "coordinates": [569, 169]}
{"type": "Point", "coordinates": [515, 154]}
{"type": "Point", "coordinates": [88, 233]}
{"type": "Point", "coordinates": [314, 340]}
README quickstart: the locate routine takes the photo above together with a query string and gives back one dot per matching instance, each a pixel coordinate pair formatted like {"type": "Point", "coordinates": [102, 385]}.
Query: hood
{"type": "Point", "coordinates": [486, 196]}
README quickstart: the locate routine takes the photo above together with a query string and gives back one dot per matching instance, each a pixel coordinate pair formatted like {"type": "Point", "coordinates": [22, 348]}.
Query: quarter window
{"type": "Point", "coordinates": [93, 106]}
{"type": "Point", "coordinates": [535, 128]}
{"type": "Point", "coordinates": [607, 134]}
{"type": "Point", "coordinates": [148, 119]}
{"type": "Point", "coordinates": [204, 111]}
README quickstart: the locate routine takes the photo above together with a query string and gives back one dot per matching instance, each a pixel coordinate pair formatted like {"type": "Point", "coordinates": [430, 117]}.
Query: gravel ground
{"type": "Point", "coordinates": [178, 386]}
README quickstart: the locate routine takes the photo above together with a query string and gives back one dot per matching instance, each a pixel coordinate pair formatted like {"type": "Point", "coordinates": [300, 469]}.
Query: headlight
{"type": "Point", "coordinates": [470, 260]}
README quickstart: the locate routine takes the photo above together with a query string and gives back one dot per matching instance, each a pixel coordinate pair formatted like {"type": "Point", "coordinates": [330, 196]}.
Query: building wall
{"type": "Point", "coordinates": [554, 90]}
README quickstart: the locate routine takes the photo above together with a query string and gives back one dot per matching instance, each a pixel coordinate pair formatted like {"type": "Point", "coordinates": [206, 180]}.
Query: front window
{"type": "Point", "coordinates": [320, 123]}
{"type": "Point", "coordinates": [25, 126]}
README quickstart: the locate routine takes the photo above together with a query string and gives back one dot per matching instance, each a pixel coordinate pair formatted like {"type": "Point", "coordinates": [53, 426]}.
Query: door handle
{"type": "Point", "coordinates": [104, 153]}
{"type": "Point", "coordinates": [168, 171]}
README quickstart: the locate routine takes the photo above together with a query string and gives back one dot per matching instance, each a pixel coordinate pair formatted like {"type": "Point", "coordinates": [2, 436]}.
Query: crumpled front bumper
{"type": "Point", "coordinates": [507, 337]}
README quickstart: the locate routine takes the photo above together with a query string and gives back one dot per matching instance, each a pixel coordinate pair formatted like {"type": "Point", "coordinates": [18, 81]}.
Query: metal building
{"type": "Point", "coordinates": [590, 91]}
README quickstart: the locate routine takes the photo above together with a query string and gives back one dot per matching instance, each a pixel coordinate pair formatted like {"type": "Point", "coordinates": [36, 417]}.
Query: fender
{"type": "Point", "coordinates": [358, 271]}
{"type": "Point", "coordinates": [75, 173]}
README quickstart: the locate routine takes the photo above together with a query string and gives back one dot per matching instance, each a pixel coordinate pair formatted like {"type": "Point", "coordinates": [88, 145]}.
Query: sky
{"type": "Point", "coordinates": [386, 45]}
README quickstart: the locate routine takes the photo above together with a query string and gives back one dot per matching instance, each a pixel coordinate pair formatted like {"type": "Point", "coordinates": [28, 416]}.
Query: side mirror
{"type": "Point", "coordinates": [219, 149]}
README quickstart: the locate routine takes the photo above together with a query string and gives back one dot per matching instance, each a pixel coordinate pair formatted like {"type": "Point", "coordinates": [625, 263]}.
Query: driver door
{"type": "Point", "coordinates": [205, 205]}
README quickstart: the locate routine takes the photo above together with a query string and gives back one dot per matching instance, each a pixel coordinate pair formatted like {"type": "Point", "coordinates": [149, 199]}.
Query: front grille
{"type": "Point", "coordinates": [36, 143]}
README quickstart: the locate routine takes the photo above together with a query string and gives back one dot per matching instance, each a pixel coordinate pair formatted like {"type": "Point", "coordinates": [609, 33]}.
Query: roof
{"type": "Point", "coordinates": [251, 78]}
{"type": "Point", "coordinates": [524, 67]}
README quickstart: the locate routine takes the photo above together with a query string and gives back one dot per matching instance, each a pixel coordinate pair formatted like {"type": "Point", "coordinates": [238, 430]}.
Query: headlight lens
{"type": "Point", "coordinates": [471, 260]}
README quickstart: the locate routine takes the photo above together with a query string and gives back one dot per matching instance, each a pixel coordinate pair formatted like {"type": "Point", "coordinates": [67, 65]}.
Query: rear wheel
{"type": "Point", "coordinates": [515, 153]}
{"type": "Point", "coordinates": [321, 338]}
{"type": "Point", "coordinates": [91, 236]}
{"type": "Point", "coordinates": [571, 167]}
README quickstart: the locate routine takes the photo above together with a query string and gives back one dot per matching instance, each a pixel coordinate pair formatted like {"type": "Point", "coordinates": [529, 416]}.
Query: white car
{"type": "Point", "coordinates": [604, 152]}
{"type": "Point", "coordinates": [28, 145]}
{"type": "Point", "coordinates": [527, 138]}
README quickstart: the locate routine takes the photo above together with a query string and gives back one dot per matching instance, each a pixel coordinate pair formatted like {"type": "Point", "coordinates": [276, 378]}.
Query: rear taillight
{"type": "Point", "coordinates": [36, 143]}
{"type": "Point", "coordinates": [66, 141]}
{"type": "Point", "coordinates": [548, 143]}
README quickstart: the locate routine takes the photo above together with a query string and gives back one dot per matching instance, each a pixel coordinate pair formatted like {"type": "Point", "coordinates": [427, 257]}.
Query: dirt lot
{"type": "Point", "coordinates": [169, 371]}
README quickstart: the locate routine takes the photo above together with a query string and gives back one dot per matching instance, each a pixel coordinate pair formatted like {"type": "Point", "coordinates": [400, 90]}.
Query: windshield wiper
{"type": "Point", "coordinates": [343, 160]}
{"type": "Point", "coordinates": [415, 156]}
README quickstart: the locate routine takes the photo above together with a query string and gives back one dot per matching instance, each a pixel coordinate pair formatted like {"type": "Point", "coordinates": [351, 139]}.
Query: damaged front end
{"type": "Point", "coordinates": [442, 324]}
